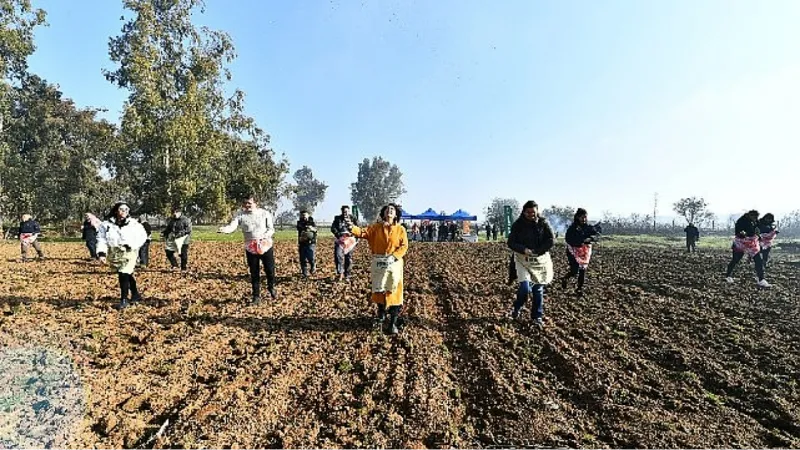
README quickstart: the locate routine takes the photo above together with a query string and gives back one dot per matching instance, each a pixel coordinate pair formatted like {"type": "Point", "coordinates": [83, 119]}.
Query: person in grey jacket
{"type": "Point", "coordinates": [177, 236]}
{"type": "Point", "coordinates": [257, 226]}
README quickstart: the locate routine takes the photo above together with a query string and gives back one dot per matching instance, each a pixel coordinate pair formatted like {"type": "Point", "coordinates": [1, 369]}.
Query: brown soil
{"type": "Point", "coordinates": [660, 353]}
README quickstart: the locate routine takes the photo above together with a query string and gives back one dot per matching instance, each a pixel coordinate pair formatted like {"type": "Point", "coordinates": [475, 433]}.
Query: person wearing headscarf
{"type": "Point", "coordinates": [746, 242]}
{"type": "Point", "coordinates": [89, 231]}
{"type": "Point", "coordinates": [29, 231]}
{"type": "Point", "coordinates": [767, 233]}
{"type": "Point", "coordinates": [307, 243]}
{"type": "Point", "coordinates": [258, 228]}
{"type": "Point", "coordinates": [118, 241]}
{"type": "Point", "coordinates": [388, 244]}
{"type": "Point", "coordinates": [579, 239]}
{"type": "Point", "coordinates": [531, 239]}
{"type": "Point", "coordinates": [177, 237]}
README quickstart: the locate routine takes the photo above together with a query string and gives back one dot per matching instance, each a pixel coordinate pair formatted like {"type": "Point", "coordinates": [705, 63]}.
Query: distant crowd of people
{"type": "Point", "coordinates": [445, 231]}
{"type": "Point", "coordinates": [124, 242]}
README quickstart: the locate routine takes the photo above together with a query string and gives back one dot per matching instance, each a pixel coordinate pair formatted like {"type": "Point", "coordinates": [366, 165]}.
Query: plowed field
{"type": "Point", "coordinates": [660, 353]}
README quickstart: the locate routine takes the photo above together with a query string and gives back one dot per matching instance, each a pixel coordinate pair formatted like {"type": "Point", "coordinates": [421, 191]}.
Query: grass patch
{"type": "Point", "coordinates": [344, 366]}
{"type": "Point", "coordinates": [708, 242]}
{"type": "Point", "coordinates": [714, 398]}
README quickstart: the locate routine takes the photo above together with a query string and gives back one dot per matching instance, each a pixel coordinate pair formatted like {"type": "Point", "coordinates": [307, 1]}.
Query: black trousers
{"type": "Point", "coordinates": [575, 269]}
{"type": "Point", "coordinates": [765, 255]}
{"type": "Point", "coordinates": [144, 253]}
{"type": "Point", "coordinates": [127, 283]}
{"type": "Point", "coordinates": [756, 259]}
{"type": "Point", "coordinates": [254, 263]}
{"type": "Point", "coordinates": [91, 244]}
{"type": "Point", "coordinates": [184, 257]}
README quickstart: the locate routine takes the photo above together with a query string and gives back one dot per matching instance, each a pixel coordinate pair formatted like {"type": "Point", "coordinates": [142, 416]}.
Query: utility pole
{"type": "Point", "coordinates": [655, 210]}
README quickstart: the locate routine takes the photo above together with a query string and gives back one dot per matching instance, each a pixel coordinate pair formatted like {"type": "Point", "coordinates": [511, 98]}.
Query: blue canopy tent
{"type": "Point", "coordinates": [462, 215]}
{"type": "Point", "coordinates": [429, 214]}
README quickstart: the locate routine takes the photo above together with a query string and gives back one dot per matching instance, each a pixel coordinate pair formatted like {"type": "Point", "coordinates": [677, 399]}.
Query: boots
{"type": "Point", "coordinates": [391, 328]}
{"type": "Point", "coordinates": [381, 315]}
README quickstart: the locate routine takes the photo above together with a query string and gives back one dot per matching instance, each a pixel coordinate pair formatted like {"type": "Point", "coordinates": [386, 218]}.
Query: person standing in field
{"type": "Point", "coordinates": [768, 232]}
{"type": "Point", "coordinates": [692, 236]}
{"type": "Point", "coordinates": [531, 239]}
{"type": "Point", "coordinates": [494, 232]}
{"type": "Point", "coordinates": [144, 250]}
{"type": "Point", "coordinates": [344, 244]}
{"type": "Point", "coordinates": [258, 228]}
{"type": "Point", "coordinates": [29, 231]}
{"type": "Point", "coordinates": [746, 241]}
{"type": "Point", "coordinates": [388, 244]}
{"type": "Point", "coordinates": [488, 227]}
{"type": "Point", "coordinates": [307, 243]}
{"type": "Point", "coordinates": [177, 237]}
{"type": "Point", "coordinates": [89, 234]}
{"type": "Point", "coordinates": [579, 239]}
{"type": "Point", "coordinates": [118, 241]}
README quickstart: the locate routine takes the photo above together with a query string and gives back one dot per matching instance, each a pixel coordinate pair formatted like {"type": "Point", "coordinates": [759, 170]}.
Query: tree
{"type": "Point", "coordinates": [694, 210]}
{"type": "Point", "coordinates": [285, 218]}
{"type": "Point", "coordinates": [379, 182]}
{"type": "Point", "coordinates": [494, 212]}
{"type": "Point", "coordinates": [17, 22]}
{"type": "Point", "coordinates": [184, 140]}
{"type": "Point", "coordinates": [18, 19]}
{"type": "Point", "coordinates": [560, 217]}
{"type": "Point", "coordinates": [307, 192]}
{"type": "Point", "coordinates": [55, 153]}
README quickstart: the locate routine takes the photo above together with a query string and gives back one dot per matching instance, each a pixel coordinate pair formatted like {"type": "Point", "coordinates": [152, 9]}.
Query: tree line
{"type": "Point", "coordinates": [694, 210]}
{"type": "Point", "coordinates": [181, 139]}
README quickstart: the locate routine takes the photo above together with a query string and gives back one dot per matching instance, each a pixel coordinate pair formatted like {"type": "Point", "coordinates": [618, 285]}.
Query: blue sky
{"type": "Point", "coordinates": [593, 104]}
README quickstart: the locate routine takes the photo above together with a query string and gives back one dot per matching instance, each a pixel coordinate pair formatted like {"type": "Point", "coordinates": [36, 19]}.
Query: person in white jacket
{"type": "Point", "coordinates": [118, 242]}
{"type": "Point", "coordinates": [257, 226]}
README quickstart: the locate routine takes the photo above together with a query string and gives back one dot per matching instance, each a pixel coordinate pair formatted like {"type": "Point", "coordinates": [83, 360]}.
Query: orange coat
{"type": "Point", "coordinates": [385, 240]}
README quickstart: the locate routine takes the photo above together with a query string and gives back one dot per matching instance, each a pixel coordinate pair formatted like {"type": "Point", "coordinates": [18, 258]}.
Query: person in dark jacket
{"type": "Point", "coordinates": [443, 232]}
{"type": "Point", "coordinates": [488, 232]}
{"type": "Point", "coordinates": [746, 242]}
{"type": "Point", "coordinates": [494, 232]}
{"type": "Point", "coordinates": [579, 239]}
{"type": "Point", "coordinates": [692, 236]}
{"type": "Point", "coordinates": [767, 232]}
{"type": "Point", "coordinates": [144, 250]}
{"type": "Point", "coordinates": [342, 250]}
{"type": "Point", "coordinates": [531, 239]}
{"type": "Point", "coordinates": [89, 230]}
{"type": "Point", "coordinates": [307, 243]}
{"type": "Point", "coordinates": [177, 237]}
{"type": "Point", "coordinates": [29, 231]}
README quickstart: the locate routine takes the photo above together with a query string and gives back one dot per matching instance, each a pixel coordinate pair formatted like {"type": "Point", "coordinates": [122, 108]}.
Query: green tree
{"type": "Point", "coordinates": [494, 212]}
{"type": "Point", "coordinates": [18, 19]}
{"type": "Point", "coordinates": [55, 153]}
{"type": "Point", "coordinates": [379, 182]}
{"type": "Point", "coordinates": [307, 192]}
{"type": "Point", "coordinates": [182, 137]}
{"type": "Point", "coordinates": [694, 210]}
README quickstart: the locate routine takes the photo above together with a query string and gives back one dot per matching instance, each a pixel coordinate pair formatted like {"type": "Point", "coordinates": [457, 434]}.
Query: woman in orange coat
{"type": "Point", "coordinates": [388, 243]}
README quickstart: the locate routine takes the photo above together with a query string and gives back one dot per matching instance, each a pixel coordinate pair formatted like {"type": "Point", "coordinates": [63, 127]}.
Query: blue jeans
{"type": "Point", "coordinates": [344, 263]}
{"type": "Point", "coordinates": [526, 289]}
{"type": "Point", "coordinates": [307, 258]}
